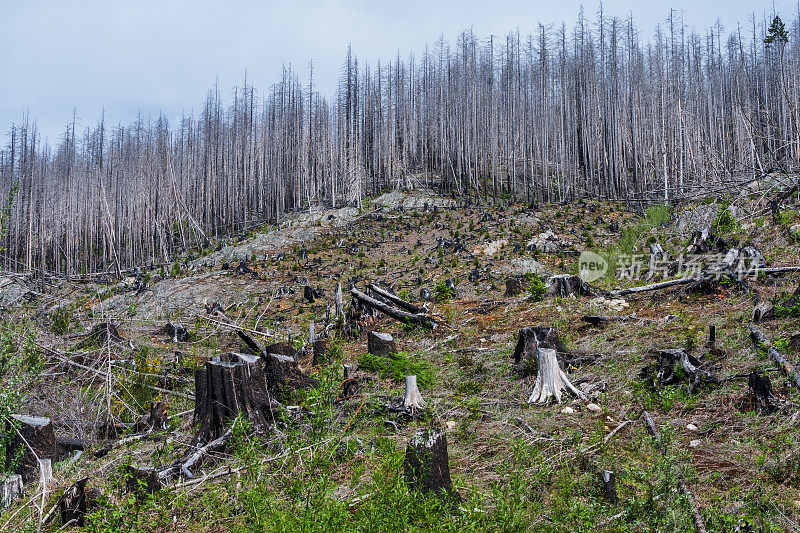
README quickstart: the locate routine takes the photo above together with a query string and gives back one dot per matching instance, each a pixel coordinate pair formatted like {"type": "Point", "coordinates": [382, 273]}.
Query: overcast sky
{"type": "Point", "coordinates": [164, 55]}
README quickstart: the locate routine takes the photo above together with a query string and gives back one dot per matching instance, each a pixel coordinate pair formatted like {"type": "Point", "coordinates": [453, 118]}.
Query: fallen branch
{"type": "Point", "coordinates": [786, 367]}
{"type": "Point", "coordinates": [655, 286]}
{"type": "Point", "coordinates": [396, 299]}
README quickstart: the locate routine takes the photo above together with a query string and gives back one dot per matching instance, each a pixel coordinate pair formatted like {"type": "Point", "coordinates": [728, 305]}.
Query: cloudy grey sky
{"type": "Point", "coordinates": [164, 55]}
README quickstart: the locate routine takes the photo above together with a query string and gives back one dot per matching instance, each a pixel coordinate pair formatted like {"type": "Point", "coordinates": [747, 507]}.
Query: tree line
{"type": "Point", "coordinates": [560, 113]}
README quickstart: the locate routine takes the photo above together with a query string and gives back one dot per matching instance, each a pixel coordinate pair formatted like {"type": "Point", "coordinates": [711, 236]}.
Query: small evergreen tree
{"type": "Point", "coordinates": [776, 32]}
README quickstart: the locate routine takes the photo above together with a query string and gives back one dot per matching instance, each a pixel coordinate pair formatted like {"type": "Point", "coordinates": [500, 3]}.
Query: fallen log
{"type": "Point", "coordinates": [411, 308]}
{"type": "Point", "coordinates": [655, 286]}
{"type": "Point", "coordinates": [786, 367]}
{"type": "Point", "coordinates": [397, 314]}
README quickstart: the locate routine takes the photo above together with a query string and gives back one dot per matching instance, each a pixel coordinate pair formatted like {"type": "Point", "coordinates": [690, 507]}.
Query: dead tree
{"type": "Point", "coordinates": [230, 385]}
{"type": "Point", "coordinates": [551, 381]}
{"type": "Point", "coordinates": [783, 364]}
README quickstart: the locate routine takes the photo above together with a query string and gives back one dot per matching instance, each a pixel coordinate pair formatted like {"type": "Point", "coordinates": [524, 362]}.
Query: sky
{"type": "Point", "coordinates": [155, 56]}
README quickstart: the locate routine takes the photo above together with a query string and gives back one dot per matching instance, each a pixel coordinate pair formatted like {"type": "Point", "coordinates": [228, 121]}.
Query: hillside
{"type": "Point", "coordinates": [93, 356]}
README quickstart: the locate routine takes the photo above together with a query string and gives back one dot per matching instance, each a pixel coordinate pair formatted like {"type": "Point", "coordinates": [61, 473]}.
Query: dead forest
{"type": "Point", "coordinates": [546, 282]}
{"type": "Point", "coordinates": [595, 109]}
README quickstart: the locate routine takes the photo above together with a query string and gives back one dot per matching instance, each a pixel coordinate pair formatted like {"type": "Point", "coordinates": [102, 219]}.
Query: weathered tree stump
{"type": "Point", "coordinates": [101, 335]}
{"type": "Point", "coordinates": [32, 439]}
{"type": "Point", "coordinates": [564, 285]}
{"type": "Point", "coordinates": [155, 420]}
{"type": "Point", "coordinates": [551, 381]}
{"type": "Point", "coordinates": [73, 505]}
{"type": "Point", "coordinates": [530, 340]}
{"type": "Point", "coordinates": [142, 480]}
{"type": "Point", "coordinates": [283, 376]}
{"type": "Point", "coordinates": [227, 386]}
{"type": "Point", "coordinates": [319, 349]}
{"type": "Point", "coordinates": [761, 391]}
{"type": "Point", "coordinates": [426, 467]}
{"type": "Point", "coordinates": [413, 398]}
{"type": "Point", "coordinates": [176, 332]}
{"type": "Point", "coordinates": [11, 488]}
{"type": "Point", "coordinates": [516, 285]}
{"type": "Point", "coordinates": [609, 486]}
{"type": "Point", "coordinates": [381, 344]}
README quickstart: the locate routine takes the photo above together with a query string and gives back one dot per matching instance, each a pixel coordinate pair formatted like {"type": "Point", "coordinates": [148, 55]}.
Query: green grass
{"type": "Point", "coordinates": [399, 367]}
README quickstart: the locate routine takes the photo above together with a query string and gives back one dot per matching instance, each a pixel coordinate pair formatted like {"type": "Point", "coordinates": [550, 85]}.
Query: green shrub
{"type": "Point", "coordinates": [442, 293]}
{"type": "Point", "coordinates": [725, 222]}
{"type": "Point", "coordinates": [61, 322]}
{"type": "Point", "coordinates": [398, 367]}
{"type": "Point", "coordinates": [537, 287]}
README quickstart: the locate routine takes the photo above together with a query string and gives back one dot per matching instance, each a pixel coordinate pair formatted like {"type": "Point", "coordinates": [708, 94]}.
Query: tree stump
{"type": "Point", "coordinates": [11, 488]}
{"type": "Point", "coordinates": [609, 486]}
{"type": "Point", "coordinates": [319, 349]}
{"type": "Point", "coordinates": [413, 399]}
{"type": "Point", "coordinates": [426, 467]}
{"type": "Point", "coordinates": [529, 342]}
{"type": "Point", "coordinates": [283, 376]}
{"type": "Point", "coordinates": [381, 344]}
{"type": "Point", "coordinates": [101, 335]}
{"type": "Point", "coordinates": [176, 332]}
{"type": "Point", "coordinates": [564, 285]}
{"type": "Point", "coordinates": [228, 385]}
{"type": "Point", "coordinates": [142, 480]}
{"type": "Point", "coordinates": [516, 285]}
{"type": "Point", "coordinates": [72, 505]}
{"type": "Point", "coordinates": [32, 439]}
{"type": "Point", "coordinates": [761, 391]}
{"type": "Point", "coordinates": [551, 381]}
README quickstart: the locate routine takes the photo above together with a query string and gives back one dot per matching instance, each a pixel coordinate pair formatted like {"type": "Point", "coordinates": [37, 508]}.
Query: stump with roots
{"type": "Point", "coordinates": [413, 400]}
{"type": "Point", "coordinates": [229, 385]}
{"type": "Point", "coordinates": [551, 381]}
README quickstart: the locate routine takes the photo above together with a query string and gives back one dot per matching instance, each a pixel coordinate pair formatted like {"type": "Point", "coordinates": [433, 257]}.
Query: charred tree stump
{"type": "Point", "coordinates": [155, 420]}
{"type": "Point", "coordinates": [381, 344]}
{"type": "Point", "coordinates": [319, 349]}
{"type": "Point", "coordinates": [609, 486]}
{"type": "Point", "coordinates": [72, 505]}
{"type": "Point", "coordinates": [101, 335]}
{"type": "Point", "coordinates": [529, 342]}
{"type": "Point", "coordinates": [32, 440]}
{"type": "Point", "coordinates": [551, 381]}
{"type": "Point", "coordinates": [516, 285]}
{"type": "Point", "coordinates": [426, 467]}
{"type": "Point", "coordinates": [761, 392]}
{"type": "Point", "coordinates": [283, 376]}
{"type": "Point", "coordinates": [176, 332]}
{"type": "Point", "coordinates": [141, 480]}
{"type": "Point", "coordinates": [227, 386]}
{"type": "Point", "coordinates": [567, 285]}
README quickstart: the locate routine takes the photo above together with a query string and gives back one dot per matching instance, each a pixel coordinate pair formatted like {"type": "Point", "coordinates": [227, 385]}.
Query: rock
{"type": "Point", "coordinates": [614, 304]}
{"type": "Point", "coordinates": [691, 427]}
{"type": "Point", "coordinates": [696, 443]}
{"type": "Point", "coordinates": [794, 232]}
{"type": "Point", "coordinates": [546, 242]}
{"type": "Point", "coordinates": [568, 411]}
{"type": "Point", "coordinates": [450, 425]}
{"type": "Point", "coordinates": [12, 291]}
{"type": "Point", "coordinates": [593, 407]}
{"type": "Point", "coordinates": [519, 266]}
{"type": "Point", "coordinates": [381, 344]}
{"type": "Point", "coordinates": [493, 247]}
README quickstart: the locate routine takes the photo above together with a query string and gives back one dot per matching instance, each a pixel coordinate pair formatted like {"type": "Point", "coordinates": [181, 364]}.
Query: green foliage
{"type": "Point", "coordinates": [442, 293]}
{"type": "Point", "coordinates": [776, 32]}
{"type": "Point", "coordinates": [725, 221]}
{"type": "Point", "coordinates": [537, 287]}
{"type": "Point", "coordinates": [398, 367]}
{"type": "Point", "coordinates": [61, 321]}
